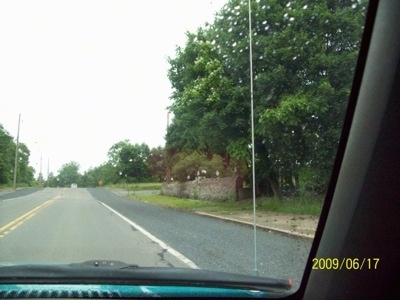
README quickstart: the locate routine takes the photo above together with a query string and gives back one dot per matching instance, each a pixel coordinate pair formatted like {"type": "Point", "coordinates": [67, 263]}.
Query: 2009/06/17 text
{"type": "Point", "coordinates": [345, 263]}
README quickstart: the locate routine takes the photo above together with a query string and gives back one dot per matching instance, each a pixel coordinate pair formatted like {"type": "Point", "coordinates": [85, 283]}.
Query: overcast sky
{"type": "Point", "coordinates": [87, 74]}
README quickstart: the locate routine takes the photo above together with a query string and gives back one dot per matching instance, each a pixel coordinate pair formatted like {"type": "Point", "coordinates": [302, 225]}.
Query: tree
{"type": "Point", "coordinates": [68, 174]}
{"type": "Point", "coordinates": [304, 55]}
{"type": "Point", "coordinates": [25, 173]}
{"type": "Point", "coordinates": [307, 80]}
{"type": "Point", "coordinates": [156, 164]}
{"type": "Point", "coordinates": [100, 175]}
{"type": "Point", "coordinates": [88, 178]}
{"type": "Point", "coordinates": [7, 153]}
{"type": "Point", "coordinates": [208, 111]}
{"type": "Point", "coordinates": [51, 180]}
{"type": "Point", "coordinates": [130, 161]}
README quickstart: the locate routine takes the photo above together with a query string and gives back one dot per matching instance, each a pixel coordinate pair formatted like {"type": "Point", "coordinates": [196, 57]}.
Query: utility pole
{"type": "Point", "coordinates": [16, 155]}
{"type": "Point", "coordinates": [168, 172]}
{"type": "Point", "coordinates": [48, 168]}
{"type": "Point", "coordinates": [40, 173]}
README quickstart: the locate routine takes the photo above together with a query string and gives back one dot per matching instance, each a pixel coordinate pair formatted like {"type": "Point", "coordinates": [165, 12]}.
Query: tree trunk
{"type": "Point", "coordinates": [275, 188]}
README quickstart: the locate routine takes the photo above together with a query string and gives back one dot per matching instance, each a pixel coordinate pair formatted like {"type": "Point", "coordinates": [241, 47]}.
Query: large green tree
{"type": "Point", "coordinates": [68, 174]}
{"type": "Point", "coordinates": [204, 118]}
{"type": "Point", "coordinates": [25, 173]}
{"type": "Point", "coordinates": [304, 55]}
{"type": "Point", "coordinates": [7, 154]}
{"type": "Point", "coordinates": [129, 160]}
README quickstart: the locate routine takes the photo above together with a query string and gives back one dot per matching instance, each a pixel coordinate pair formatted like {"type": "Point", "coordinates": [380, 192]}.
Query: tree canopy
{"type": "Point", "coordinates": [25, 173]}
{"type": "Point", "coordinates": [130, 160]}
{"type": "Point", "coordinates": [304, 56]}
{"type": "Point", "coordinates": [68, 174]}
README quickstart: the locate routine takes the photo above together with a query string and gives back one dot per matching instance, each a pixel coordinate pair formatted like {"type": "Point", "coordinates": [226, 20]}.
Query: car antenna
{"type": "Point", "coordinates": [252, 144]}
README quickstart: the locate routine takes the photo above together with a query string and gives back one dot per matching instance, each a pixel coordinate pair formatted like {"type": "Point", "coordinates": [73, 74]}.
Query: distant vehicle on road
{"type": "Point", "coordinates": [74, 185]}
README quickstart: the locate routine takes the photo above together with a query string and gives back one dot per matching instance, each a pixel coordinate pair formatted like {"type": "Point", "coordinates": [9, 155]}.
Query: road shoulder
{"type": "Point", "coordinates": [303, 226]}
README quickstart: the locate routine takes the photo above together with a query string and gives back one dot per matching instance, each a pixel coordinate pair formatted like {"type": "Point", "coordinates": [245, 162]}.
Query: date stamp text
{"type": "Point", "coordinates": [346, 263]}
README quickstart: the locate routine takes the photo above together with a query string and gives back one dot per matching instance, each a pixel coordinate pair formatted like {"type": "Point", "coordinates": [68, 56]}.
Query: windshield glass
{"type": "Point", "coordinates": [129, 131]}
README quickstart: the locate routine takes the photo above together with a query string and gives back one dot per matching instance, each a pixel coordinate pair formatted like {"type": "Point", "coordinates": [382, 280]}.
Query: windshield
{"type": "Point", "coordinates": [173, 134]}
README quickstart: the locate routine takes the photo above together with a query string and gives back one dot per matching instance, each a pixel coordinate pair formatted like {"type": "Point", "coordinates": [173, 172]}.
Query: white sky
{"type": "Point", "coordinates": [87, 74]}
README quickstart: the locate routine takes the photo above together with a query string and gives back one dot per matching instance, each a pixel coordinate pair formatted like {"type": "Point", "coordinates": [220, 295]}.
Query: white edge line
{"type": "Point", "coordinates": [154, 239]}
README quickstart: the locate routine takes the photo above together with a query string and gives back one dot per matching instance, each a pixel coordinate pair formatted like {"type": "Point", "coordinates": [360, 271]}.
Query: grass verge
{"type": "Point", "coordinates": [5, 188]}
{"type": "Point", "coordinates": [304, 206]}
{"type": "Point", "coordinates": [143, 186]}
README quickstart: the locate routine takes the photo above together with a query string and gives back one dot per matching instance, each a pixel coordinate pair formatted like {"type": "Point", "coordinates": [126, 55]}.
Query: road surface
{"type": "Point", "coordinates": [68, 225]}
{"type": "Point", "coordinates": [74, 225]}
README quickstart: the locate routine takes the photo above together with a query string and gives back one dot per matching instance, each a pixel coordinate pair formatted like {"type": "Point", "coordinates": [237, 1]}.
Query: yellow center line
{"type": "Point", "coordinates": [21, 219]}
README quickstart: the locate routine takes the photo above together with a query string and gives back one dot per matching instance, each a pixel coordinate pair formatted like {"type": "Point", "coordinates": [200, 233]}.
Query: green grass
{"type": "Point", "coordinates": [299, 206]}
{"type": "Point", "coordinates": [20, 185]}
{"type": "Point", "coordinates": [138, 186]}
{"type": "Point", "coordinates": [5, 187]}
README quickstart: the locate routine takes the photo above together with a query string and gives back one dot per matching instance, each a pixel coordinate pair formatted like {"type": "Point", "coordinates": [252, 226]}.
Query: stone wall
{"type": "Point", "coordinates": [212, 189]}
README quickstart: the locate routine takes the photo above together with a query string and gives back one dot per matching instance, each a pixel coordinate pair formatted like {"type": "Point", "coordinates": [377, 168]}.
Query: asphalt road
{"type": "Point", "coordinates": [18, 193]}
{"type": "Point", "coordinates": [68, 225]}
{"type": "Point", "coordinates": [74, 225]}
